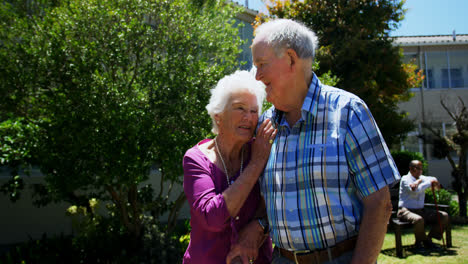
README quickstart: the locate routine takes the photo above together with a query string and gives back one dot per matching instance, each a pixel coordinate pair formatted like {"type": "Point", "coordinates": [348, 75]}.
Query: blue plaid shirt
{"type": "Point", "coordinates": [320, 169]}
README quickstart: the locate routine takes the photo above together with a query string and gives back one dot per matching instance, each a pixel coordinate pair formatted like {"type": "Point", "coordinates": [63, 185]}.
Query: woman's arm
{"type": "Point", "coordinates": [238, 192]}
{"type": "Point", "coordinates": [214, 209]}
{"type": "Point", "coordinates": [205, 204]}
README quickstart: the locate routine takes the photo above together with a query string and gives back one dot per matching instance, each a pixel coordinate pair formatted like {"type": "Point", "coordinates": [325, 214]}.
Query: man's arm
{"type": "Point", "coordinates": [377, 211]}
{"type": "Point", "coordinates": [425, 183]}
{"type": "Point", "coordinates": [415, 185]}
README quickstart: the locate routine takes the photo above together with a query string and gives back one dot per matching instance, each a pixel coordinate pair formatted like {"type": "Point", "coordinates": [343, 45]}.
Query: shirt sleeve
{"type": "Point", "coordinates": [426, 183]}
{"type": "Point", "coordinates": [370, 162]}
{"type": "Point", "coordinates": [404, 184]}
{"type": "Point", "coordinates": [205, 204]}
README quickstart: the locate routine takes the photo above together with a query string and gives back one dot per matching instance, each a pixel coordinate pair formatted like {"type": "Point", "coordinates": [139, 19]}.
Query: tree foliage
{"type": "Point", "coordinates": [99, 94]}
{"type": "Point", "coordinates": [355, 46]}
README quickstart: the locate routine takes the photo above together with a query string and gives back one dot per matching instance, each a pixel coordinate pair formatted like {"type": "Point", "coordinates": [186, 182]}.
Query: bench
{"type": "Point", "coordinates": [398, 224]}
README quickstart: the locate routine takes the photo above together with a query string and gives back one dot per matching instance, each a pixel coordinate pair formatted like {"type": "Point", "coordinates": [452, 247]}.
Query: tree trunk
{"type": "Point", "coordinates": [457, 185]}
{"type": "Point", "coordinates": [462, 204]}
{"type": "Point", "coordinates": [171, 221]}
{"type": "Point", "coordinates": [462, 178]}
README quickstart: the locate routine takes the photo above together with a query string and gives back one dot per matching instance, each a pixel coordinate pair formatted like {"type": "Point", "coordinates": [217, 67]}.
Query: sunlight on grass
{"type": "Point", "coordinates": [454, 255]}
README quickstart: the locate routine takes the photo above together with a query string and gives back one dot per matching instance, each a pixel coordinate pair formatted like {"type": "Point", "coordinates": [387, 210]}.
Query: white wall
{"type": "Point", "coordinates": [442, 170]}
{"type": "Point", "coordinates": [21, 220]}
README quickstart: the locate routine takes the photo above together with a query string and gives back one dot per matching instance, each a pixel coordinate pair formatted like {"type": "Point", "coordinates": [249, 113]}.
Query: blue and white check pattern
{"type": "Point", "coordinates": [320, 169]}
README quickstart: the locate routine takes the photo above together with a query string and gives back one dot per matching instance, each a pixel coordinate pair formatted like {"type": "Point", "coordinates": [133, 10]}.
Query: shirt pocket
{"type": "Point", "coordinates": [326, 161]}
{"type": "Point", "coordinates": [324, 150]}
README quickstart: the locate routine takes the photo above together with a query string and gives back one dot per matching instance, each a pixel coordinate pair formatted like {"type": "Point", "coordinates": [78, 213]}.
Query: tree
{"type": "Point", "coordinates": [98, 94]}
{"type": "Point", "coordinates": [355, 46]}
{"type": "Point", "coordinates": [444, 146]}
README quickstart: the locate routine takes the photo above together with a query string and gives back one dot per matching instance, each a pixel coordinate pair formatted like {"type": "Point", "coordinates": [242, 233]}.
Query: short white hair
{"type": "Point", "coordinates": [284, 34]}
{"type": "Point", "coordinates": [239, 81]}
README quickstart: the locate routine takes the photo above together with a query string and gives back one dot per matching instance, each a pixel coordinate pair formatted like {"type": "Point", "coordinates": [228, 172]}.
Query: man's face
{"type": "Point", "coordinates": [416, 171]}
{"type": "Point", "coordinates": [274, 72]}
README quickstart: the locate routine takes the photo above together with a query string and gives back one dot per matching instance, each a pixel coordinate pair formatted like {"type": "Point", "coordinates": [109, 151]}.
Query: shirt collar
{"type": "Point", "coordinates": [311, 100]}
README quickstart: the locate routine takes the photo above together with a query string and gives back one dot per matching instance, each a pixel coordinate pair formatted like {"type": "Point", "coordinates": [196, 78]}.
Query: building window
{"type": "Point", "coordinates": [452, 80]}
{"type": "Point", "coordinates": [412, 142]}
{"type": "Point", "coordinates": [434, 62]}
{"type": "Point", "coordinates": [429, 79]}
{"type": "Point", "coordinates": [458, 68]}
{"type": "Point", "coordinates": [456, 78]}
{"type": "Point", "coordinates": [446, 69]}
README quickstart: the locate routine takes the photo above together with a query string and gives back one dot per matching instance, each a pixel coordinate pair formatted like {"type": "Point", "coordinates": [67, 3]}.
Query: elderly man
{"type": "Point", "coordinates": [411, 205]}
{"type": "Point", "coordinates": [325, 184]}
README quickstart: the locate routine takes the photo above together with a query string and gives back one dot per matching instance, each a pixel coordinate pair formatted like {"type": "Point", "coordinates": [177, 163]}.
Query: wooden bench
{"type": "Point", "coordinates": [398, 224]}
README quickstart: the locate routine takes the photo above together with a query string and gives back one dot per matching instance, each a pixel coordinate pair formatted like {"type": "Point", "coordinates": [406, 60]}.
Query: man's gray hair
{"type": "Point", "coordinates": [284, 34]}
{"type": "Point", "coordinates": [240, 81]}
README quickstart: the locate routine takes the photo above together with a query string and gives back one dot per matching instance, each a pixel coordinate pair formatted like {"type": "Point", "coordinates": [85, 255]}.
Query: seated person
{"type": "Point", "coordinates": [411, 205]}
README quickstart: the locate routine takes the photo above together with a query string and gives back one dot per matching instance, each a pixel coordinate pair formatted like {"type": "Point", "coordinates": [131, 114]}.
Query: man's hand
{"type": "Point", "coordinates": [250, 240]}
{"type": "Point", "coordinates": [436, 184]}
{"type": "Point", "coordinates": [415, 184]}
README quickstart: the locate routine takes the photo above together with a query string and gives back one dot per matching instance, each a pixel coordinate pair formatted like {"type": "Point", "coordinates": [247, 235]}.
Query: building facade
{"type": "Point", "coordinates": [444, 62]}
{"type": "Point", "coordinates": [246, 18]}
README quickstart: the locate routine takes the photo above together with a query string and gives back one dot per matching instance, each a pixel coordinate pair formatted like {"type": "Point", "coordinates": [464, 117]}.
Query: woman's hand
{"type": "Point", "coordinates": [240, 255]}
{"type": "Point", "coordinates": [261, 147]}
{"type": "Point", "coordinates": [251, 238]}
{"type": "Point", "coordinates": [236, 194]}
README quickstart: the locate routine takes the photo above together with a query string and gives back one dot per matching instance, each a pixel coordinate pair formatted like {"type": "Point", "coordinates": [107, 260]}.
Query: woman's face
{"type": "Point", "coordinates": [240, 117]}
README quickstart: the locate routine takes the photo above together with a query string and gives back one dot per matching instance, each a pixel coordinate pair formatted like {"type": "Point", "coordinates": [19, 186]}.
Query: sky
{"type": "Point", "coordinates": [423, 17]}
{"type": "Point", "coordinates": [434, 17]}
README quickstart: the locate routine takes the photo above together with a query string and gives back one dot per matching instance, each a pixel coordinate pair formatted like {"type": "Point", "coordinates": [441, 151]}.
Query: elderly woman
{"type": "Point", "coordinates": [220, 174]}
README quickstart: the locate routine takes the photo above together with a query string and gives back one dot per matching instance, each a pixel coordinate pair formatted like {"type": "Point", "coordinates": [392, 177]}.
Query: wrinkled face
{"type": "Point", "coordinates": [274, 72]}
{"type": "Point", "coordinates": [240, 116]}
{"type": "Point", "coordinates": [417, 170]}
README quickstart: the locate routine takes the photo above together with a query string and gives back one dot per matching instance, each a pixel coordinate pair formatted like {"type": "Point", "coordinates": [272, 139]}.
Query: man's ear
{"type": "Point", "coordinates": [292, 57]}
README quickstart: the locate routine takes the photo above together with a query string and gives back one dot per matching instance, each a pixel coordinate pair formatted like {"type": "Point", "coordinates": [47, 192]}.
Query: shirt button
{"type": "Point", "coordinates": [237, 217]}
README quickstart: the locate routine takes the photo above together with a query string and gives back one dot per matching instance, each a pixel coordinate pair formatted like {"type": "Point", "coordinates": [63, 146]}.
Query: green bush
{"type": "Point", "coordinates": [102, 244]}
{"type": "Point", "coordinates": [443, 197]}
{"type": "Point", "coordinates": [45, 250]}
{"type": "Point", "coordinates": [403, 158]}
{"type": "Point", "coordinates": [454, 208]}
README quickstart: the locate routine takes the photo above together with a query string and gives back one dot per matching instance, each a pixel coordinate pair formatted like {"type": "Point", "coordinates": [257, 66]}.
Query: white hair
{"type": "Point", "coordinates": [239, 81]}
{"type": "Point", "coordinates": [284, 34]}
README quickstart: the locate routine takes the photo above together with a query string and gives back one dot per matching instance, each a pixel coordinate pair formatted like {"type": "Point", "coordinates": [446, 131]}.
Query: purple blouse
{"type": "Point", "coordinates": [212, 227]}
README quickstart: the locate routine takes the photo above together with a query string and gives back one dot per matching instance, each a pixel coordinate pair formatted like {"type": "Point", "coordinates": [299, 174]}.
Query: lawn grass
{"type": "Point", "coordinates": [456, 254]}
